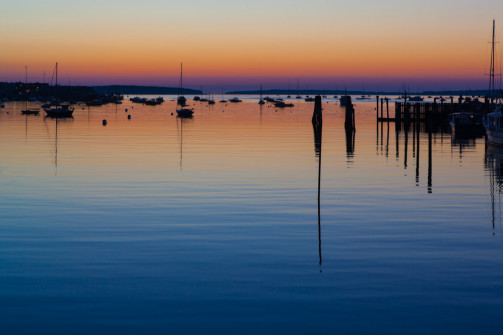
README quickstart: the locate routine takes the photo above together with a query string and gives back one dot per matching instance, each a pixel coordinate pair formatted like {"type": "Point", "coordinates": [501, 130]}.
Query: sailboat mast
{"type": "Point", "coordinates": [56, 73]}
{"type": "Point", "coordinates": [491, 71]}
{"type": "Point", "coordinates": [181, 78]}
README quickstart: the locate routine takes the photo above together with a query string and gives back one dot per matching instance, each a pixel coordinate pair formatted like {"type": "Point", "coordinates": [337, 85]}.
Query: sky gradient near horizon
{"type": "Point", "coordinates": [363, 44]}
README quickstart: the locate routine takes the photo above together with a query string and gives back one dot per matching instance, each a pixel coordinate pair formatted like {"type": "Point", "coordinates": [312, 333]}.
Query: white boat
{"type": "Point", "coordinates": [494, 126]}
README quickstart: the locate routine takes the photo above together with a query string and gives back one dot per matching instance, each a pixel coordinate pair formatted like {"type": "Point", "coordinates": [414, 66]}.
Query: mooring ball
{"type": "Point", "coordinates": [129, 117]}
{"type": "Point", "coordinates": [104, 122]}
{"type": "Point", "coordinates": [171, 113]}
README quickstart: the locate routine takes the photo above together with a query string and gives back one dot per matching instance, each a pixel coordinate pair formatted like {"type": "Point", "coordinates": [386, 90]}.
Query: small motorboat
{"type": "Point", "coordinates": [282, 104]}
{"type": "Point", "coordinates": [59, 111]}
{"type": "Point", "coordinates": [30, 112]}
{"type": "Point", "coordinates": [185, 112]}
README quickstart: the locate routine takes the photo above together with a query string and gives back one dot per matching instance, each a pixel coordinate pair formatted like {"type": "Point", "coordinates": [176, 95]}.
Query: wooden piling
{"type": "Point", "coordinates": [349, 123]}
{"type": "Point", "coordinates": [387, 109]}
{"type": "Point", "coordinates": [317, 113]}
{"type": "Point", "coordinates": [377, 107]}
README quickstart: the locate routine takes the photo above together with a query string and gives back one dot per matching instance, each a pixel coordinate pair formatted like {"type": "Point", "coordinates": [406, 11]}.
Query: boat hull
{"type": "Point", "coordinates": [30, 112]}
{"type": "Point", "coordinates": [494, 137]}
{"type": "Point", "coordinates": [185, 112]}
{"type": "Point", "coordinates": [59, 113]}
{"type": "Point", "coordinates": [467, 129]}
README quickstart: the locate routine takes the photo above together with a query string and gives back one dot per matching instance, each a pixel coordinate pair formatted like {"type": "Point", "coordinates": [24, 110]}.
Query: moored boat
{"type": "Point", "coordinates": [466, 123]}
{"type": "Point", "coordinates": [494, 126]}
{"type": "Point", "coordinates": [59, 111]}
{"type": "Point", "coordinates": [185, 112]}
{"type": "Point", "coordinates": [282, 104]}
{"type": "Point", "coordinates": [30, 112]}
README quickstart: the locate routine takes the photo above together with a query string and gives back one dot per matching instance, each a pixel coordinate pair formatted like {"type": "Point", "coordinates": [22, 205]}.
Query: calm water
{"type": "Point", "coordinates": [210, 225]}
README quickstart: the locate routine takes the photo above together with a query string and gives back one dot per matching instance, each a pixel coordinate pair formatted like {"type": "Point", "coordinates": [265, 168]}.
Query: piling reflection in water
{"type": "Point", "coordinates": [317, 121]}
{"type": "Point", "coordinates": [494, 166]}
{"type": "Point", "coordinates": [181, 120]}
{"type": "Point", "coordinates": [350, 145]}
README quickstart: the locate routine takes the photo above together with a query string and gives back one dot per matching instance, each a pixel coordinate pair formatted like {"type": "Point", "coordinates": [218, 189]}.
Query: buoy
{"type": "Point", "coordinates": [129, 117]}
{"type": "Point", "coordinates": [104, 122]}
{"type": "Point", "coordinates": [126, 109]}
{"type": "Point", "coordinates": [171, 113]}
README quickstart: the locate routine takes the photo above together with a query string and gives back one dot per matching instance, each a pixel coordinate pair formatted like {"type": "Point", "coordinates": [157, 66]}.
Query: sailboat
{"type": "Point", "coordinates": [494, 121]}
{"type": "Point", "coordinates": [29, 111]}
{"type": "Point", "coordinates": [261, 101]}
{"type": "Point", "coordinates": [181, 100]}
{"type": "Point", "coordinates": [298, 96]}
{"type": "Point", "coordinates": [223, 100]}
{"type": "Point", "coordinates": [211, 100]}
{"type": "Point", "coordinates": [58, 110]}
{"type": "Point", "coordinates": [183, 112]}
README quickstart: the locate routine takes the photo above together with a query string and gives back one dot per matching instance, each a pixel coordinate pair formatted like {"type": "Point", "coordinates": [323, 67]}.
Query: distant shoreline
{"type": "Point", "coordinates": [136, 89]}
{"type": "Point", "coordinates": [351, 92]}
{"type": "Point", "coordinates": [160, 90]}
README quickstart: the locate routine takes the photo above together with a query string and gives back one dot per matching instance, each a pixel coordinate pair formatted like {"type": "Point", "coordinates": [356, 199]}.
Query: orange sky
{"type": "Point", "coordinates": [123, 42]}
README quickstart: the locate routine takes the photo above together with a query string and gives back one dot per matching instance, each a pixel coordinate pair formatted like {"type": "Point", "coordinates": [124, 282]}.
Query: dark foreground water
{"type": "Point", "coordinates": [158, 225]}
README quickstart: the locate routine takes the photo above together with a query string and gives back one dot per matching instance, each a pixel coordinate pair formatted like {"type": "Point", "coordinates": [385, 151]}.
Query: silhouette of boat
{"type": "Point", "coordinates": [30, 112]}
{"type": "Point", "coordinates": [235, 100]}
{"type": "Point", "coordinates": [59, 111]}
{"type": "Point", "coordinates": [181, 100]}
{"type": "Point", "coordinates": [466, 123]}
{"type": "Point", "coordinates": [282, 104]}
{"type": "Point", "coordinates": [261, 101]}
{"type": "Point", "coordinates": [185, 112]}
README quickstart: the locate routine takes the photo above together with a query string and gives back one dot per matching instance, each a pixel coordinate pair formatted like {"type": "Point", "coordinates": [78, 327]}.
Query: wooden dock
{"type": "Point", "coordinates": [434, 112]}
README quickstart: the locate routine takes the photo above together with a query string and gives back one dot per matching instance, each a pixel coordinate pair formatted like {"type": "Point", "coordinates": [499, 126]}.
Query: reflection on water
{"type": "Point", "coordinates": [181, 121]}
{"type": "Point", "coordinates": [494, 165]}
{"type": "Point", "coordinates": [317, 121]}
{"type": "Point", "coordinates": [206, 225]}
